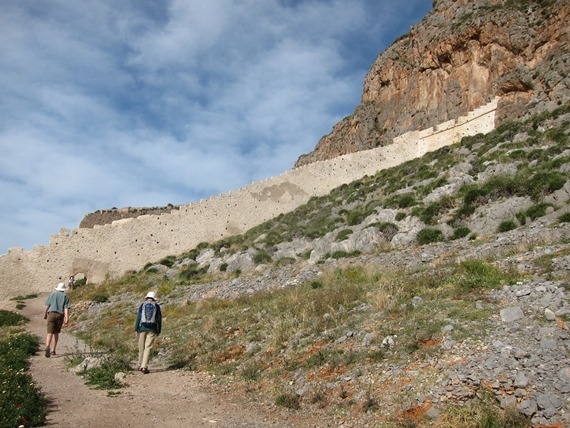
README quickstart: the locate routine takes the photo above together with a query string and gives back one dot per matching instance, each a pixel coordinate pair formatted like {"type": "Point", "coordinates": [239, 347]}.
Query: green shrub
{"type": "Point", "coordinates": [306, 255]}
{"type": "Point", "coordinates": [290, 401]}
{"type": "Point", "coordinates": [357, 216]}
{"type": "Point", "coordinates": [101, 298]}
{"type": "Point", "coordinates": [192, 254]}
{"type": "Point", "coordinates": [9, 318]}
{"type": "Point", "coordinates": [537, 210]}
{"type": "Point", "coordinates": [339, 254]}
{"type": "Point", "coordinates": [315, 284]}
{"type": "Point", "coordinates": [370, 206]}
{"type": "Point", "coordinates": [26, 297]}
{"type": "Point", "coordinates": [223, 267]}
{"type": "Point", "coordinates": [251, 371]}
{"type": "Point", "coordinates": [103, 377]}
{"type": "Point", "coordinates": [343, 234]}
{"type": "Point", "coordinates": [192, 271]}
{"type": "Point", "coordinates": [406, 200]}
{"type": "Point", "coordinates": [557, 135]}
{"type": "Point", "coordinates": [544, 183]}
{"type": "Point", "coordinates": [564, 218]}
{"type": "Point", "coordinates": [429, 235]}
{"type": "Point", "coordinates": [400, 216]}
{"type": "Point", "coordinates": [477, 274]}
{"type": "Point", "coordinates": [284, 261]}
{"type": "Point", "coordinates": [79, 283]}
{"type": "Point", "coordinates": [484, 412]}
{"type": "Point", "coordinates": [521, 217]}
{"type": "Point", "coordinates": [506, 225]}
{"type": "Point", "coordinates": [473, 194]}
{"type": "Point", "coordinates": [460, 232]}
{"type": "Point", "coordinates": [429, 213]}
{"type": "Point", "coordinates": [21, 402]}
{"type": "Point", "coordinates": [167, 261]}
{"type": "Point", "coordinates": [115, 357]}
{"type": "Point", "coordinates": [261, 256]}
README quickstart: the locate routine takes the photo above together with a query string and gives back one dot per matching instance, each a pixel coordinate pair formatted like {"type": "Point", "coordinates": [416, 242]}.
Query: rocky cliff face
{"type": "Point", "coordinates": [460, 56]}
{"type": "Point", "coordinates": [101, 217]}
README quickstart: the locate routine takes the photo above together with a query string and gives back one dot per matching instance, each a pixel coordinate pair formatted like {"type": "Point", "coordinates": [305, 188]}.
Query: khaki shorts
{"type": "Point", "coordinates": [54, 322]}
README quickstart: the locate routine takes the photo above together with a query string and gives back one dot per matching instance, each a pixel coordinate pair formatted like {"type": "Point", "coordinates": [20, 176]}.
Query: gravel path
{"type": "Point", "coordinates": [166, 398]}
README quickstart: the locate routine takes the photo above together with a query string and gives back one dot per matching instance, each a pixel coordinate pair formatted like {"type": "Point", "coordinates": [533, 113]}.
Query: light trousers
{"type": "Point", "coordinates": [146, 338]}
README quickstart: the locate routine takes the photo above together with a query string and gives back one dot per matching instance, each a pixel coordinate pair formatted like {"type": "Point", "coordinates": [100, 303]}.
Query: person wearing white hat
{"type": "Point", "coordinates": [56, 314]}
{"type": "Point", "coordinates": [147, 327]}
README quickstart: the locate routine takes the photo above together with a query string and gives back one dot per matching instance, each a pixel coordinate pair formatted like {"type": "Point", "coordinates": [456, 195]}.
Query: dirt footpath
{"type": "Point", "coordinates": [161, 398]}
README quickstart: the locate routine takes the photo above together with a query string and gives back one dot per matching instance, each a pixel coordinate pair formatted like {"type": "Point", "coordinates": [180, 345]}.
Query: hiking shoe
{"type": "Point", "coordinates": [47, 353]}
{"type": "Point", "coordinates": [145, 370]}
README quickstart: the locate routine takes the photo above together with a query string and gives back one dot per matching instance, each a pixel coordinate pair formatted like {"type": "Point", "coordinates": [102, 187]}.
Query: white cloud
{"type": "Point", "coordinates": [120, 103]}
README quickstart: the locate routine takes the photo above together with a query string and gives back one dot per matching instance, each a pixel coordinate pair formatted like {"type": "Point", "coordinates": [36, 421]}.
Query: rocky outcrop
{"type": "Point", "coordinates": [101, 217]}
{"type": "Point", "coordinates": [459, 57]}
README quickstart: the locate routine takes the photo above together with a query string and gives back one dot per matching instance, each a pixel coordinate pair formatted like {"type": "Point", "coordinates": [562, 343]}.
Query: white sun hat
{"type": "Point", "coordinates": [60, 287]}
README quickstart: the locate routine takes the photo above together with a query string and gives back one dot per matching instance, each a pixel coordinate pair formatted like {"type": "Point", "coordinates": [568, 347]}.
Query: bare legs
{"type": "Point", "coordinates": [51, 340]}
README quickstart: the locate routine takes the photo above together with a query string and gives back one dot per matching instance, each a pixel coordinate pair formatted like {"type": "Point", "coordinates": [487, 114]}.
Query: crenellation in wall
{"type": "Point", "coordinates": [130, 243]}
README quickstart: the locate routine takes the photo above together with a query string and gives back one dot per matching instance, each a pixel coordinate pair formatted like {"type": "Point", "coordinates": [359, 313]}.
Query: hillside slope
{"type": "Point", "coordinates": [431, 294]}
{"type": "Point", "coordinates": [460, 56]}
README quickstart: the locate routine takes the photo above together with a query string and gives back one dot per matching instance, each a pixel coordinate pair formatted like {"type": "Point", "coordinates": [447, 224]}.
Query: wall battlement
{"type": "Point", "coordinates": [129, 244]}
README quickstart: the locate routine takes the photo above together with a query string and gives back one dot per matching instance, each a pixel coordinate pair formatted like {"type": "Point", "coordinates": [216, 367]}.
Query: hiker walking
{"type": "Point", "coordinates": [56, 314]}
{"type": "Point", "coordinates": [147, 328]}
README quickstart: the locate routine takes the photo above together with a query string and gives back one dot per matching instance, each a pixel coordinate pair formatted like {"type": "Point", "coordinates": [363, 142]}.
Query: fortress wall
{"type": "Point", "coordinates": [129, 244]}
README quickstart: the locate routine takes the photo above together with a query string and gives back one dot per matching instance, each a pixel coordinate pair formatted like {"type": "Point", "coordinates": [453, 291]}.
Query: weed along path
{"type": "Point", "coordinates": [165, 398]}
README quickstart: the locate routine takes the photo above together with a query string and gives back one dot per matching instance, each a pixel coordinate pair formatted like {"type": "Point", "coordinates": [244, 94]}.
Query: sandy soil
{"type": "Point", "coordinates": [165, 398]}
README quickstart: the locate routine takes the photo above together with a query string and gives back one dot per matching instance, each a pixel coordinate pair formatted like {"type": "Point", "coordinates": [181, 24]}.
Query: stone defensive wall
{"type": "Point", "coordinates": [128, 244]}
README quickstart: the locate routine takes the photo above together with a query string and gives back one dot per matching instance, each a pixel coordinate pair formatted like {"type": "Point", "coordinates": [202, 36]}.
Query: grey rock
{"type": "Point", "coordinates": [120, 377]}
{"type": "Point", "coordinates": [549, 315]}
{"type": "Point", "coordinates": [512, 314]}
{"type": "Point", "coordinates": [205, 256]}
{"type": "Point", "coordinates": [528, 407]}
{"type": "Point", "coordinates": [508, 401]}
{"type": "Point", "coordinates": [433, 413]}
{"type": "Point", "coordinates": [545, 401]}
{"type": "Point", "coordinates": [564, 374]}
{"type": "Point", "coordinates": [367, 339]}
{"type": "Point", "coordinates": [416, 301]}
{"type": "Point", "coordinates": [548, 343]}
{"type": "Point", "coordinates": [521, 381]}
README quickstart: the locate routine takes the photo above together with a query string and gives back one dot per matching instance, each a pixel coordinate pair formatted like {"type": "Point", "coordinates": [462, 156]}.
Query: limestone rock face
{"type": "Point", "coordinates": [102, 217]}
{"type": "Point", "coordinates": [459, 57]}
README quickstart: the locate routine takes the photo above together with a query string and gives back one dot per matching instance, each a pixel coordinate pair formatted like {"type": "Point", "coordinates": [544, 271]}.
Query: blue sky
{"type": "Point", "coordinates": [117, 103]}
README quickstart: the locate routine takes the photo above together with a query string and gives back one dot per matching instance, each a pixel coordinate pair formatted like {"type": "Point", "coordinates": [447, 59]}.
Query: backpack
{"type": "Point", "coordinates": [148, 314]}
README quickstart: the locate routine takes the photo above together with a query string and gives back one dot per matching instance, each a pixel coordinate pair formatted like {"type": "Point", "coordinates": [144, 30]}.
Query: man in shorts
{"type": "Point", "coordinates": [56, 314]}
